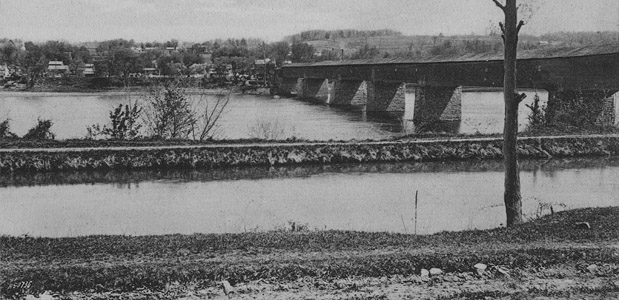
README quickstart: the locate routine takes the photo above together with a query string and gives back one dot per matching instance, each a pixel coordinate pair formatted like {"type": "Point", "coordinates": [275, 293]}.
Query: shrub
{"type": "Point", "coordinates": [212, 109]}
{"type": "Point", "coordinates": [41, 131]}
{"type": "Point", "coordinates": [5, 130]}
{"type": "Point", "coordinates": [124, 123]}
{"type": "Point", "coordinates": [537, 117]}
{"type": "Point", "coordinates": [169, 113]}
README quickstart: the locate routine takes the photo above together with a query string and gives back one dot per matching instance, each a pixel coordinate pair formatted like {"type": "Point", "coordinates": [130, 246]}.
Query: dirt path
{"type": "Point", "coordinates": [561, 282]}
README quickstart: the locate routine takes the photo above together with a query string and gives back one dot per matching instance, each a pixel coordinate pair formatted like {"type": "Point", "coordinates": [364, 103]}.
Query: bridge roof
{"type": "Point", "coordinates": [544, 53]}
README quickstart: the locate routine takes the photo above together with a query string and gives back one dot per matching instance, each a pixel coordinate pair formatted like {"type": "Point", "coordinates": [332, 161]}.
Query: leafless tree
{"type": "Point", "coordinates": [212, 108]}
{"type": "Point", "coordinates": [510, 28]}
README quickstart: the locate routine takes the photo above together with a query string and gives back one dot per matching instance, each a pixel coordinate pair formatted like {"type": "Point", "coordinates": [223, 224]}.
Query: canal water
{"type": "Point", "coordinates": [285, 117]}
{"type": "Point", "coordinates": [367, 197]}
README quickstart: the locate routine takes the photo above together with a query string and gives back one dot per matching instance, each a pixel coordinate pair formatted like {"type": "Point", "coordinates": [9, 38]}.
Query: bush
{"type": "Point", "coordinates": [5, 130]}
{"type": "Point", "coordinates": [537, 117]}
{"type": "Point", "coordinates": [41, 131]}
{"type": "Point", "coordinates": [170, 113]}
{"type": "Point", "coordinates": [124, 123]}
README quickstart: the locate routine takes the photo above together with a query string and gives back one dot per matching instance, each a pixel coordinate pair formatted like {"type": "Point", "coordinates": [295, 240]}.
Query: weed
{"type": "Point", "coordinates": [267, 130]}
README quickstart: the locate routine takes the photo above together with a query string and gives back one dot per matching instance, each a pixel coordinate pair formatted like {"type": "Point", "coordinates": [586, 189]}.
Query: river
{"type": "Point", "coordinates": [72, 113]}
{"type": "Point", "coordinates": [367, 197]}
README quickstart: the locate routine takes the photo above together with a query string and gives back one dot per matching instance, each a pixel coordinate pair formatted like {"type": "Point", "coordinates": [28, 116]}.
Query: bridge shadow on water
{"type": "Point", "coordinates": [397, 122]}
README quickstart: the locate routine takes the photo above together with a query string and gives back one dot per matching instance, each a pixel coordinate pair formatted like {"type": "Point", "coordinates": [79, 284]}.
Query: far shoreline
{"type": "Point", "coordinates": [123, 91]}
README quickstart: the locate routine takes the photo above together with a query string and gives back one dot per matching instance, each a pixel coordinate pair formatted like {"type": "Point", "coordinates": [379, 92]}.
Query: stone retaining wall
{"type": "Point", "coordinates": [283, 154]}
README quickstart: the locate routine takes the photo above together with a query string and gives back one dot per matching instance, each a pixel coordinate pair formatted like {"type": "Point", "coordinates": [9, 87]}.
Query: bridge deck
{"type": "Point", "coordinates": [595, 67]}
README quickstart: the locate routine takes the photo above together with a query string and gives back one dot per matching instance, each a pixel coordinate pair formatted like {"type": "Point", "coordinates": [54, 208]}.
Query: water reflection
{"type": "Point", "coordinates": [127, 179]}
{"type": "Point", "coordinates": [372, 197]}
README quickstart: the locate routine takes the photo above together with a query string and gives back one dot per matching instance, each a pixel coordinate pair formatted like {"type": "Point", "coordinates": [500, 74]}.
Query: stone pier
{"type": "Point", "coordinates": [582, 107]}
{"type": "Point", "coordinates": [324, 93]}
{"type": "Point", "coordinates": [386, 96]}
{"type": "Point", "coordinates": [286, 86]}
{"type": "Point", "coordinates": [310, 88]}
{"type": "Point", "coordinates": [436, 103]}
{"type": "Point", "coordinates": [348, 92]}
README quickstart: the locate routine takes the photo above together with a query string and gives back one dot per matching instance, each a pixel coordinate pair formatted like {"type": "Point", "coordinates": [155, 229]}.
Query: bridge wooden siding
{"type": "Point", "coordinates": [589, 72]}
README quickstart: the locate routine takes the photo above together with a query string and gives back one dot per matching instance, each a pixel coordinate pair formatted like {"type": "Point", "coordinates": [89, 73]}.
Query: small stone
{"type": "Point", "coordinates": [592, 268]}
{"type": "Point", "coordinates": [44, 296]}
{"type": "Point", "coordinates": [583, 225]}
{"type": "Point", "coordinates": [227, 287]}
{"type": "Point", "coordinates": [425, 273]}
{"type": "Point", "coordinates": [183, 252]}
{"type": "Point", "coordinates": [480, 268]}
{"type": "Point", "coordinates": [436, 271]}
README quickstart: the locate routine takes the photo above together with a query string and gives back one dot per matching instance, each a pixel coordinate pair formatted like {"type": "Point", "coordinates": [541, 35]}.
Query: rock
{"type": "Point", "coordinates": [44, 296]}
{"type": "Point", "coordinates": [425, 273]}
{"type": "Point", "coordinates": [436, 271]}
{"type": "Point", "coordinates": [227, 287]}
{"type": "Point", "coordinates": [582, 225]}
{"type": "Point", "coordinates": [183, 252]}
{"type": "Point", "coordinates": [592, 268]}
{"type": "Point", "coordinates": [480, 268]}
{"type": "Point", "coordinates": [190, 297]}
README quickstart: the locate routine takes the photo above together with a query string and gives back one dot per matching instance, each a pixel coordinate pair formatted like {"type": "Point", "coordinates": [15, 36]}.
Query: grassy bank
{"type": "Point", "coordinates": [295, 153]}
{"type": "Point", "coordinates": [180, 265]}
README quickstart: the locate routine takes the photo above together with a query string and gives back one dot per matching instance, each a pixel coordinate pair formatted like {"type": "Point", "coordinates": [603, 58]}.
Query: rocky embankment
{"type": "Point", "coordinates": [241, 155]}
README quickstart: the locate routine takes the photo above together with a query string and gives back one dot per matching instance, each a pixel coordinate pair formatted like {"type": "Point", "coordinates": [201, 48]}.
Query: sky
{"type": "Point", "coordinates": [271, 20]}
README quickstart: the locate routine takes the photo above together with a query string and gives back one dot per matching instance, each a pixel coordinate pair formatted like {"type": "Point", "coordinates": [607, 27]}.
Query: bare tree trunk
{"type": "Point", "coordinates": [511, 197]}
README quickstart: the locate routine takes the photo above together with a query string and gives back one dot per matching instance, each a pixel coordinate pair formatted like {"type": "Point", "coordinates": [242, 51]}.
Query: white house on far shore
{"type": "Point", "coordinates": [57, 68]}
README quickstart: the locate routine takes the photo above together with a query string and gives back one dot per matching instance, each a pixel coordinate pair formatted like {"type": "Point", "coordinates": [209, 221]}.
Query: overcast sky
{"type": "Point", "coordinates": [201, 20]}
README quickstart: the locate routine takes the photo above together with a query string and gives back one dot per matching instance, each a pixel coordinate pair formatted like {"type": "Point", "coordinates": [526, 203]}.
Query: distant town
{"type": "Point", "coordinates": [240, 61]}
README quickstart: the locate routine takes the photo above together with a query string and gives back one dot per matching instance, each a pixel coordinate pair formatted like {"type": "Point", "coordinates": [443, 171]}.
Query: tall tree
{"type": "Point", "coordinates": [301, 52]}
{"type": "Point", "coordinates": [511, 27]}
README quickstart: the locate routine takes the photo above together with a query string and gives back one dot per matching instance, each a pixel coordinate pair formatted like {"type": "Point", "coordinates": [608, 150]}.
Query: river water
{"type": "Point", "coordinates": [73, 113]}
{"type": "Point", "coordinates": [367, 197]}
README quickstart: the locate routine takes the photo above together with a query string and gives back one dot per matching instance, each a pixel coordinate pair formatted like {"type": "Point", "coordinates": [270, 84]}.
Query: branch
{"type": "Point", "coordinates": [519, 26]}
{"type": "Point", "coordinates": [520, 97]}
{"type": "Point", "coordinates": [501, 6]}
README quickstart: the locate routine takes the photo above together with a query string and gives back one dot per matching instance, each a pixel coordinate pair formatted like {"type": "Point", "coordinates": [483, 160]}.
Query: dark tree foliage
{"type": "Point", "coordinates": [302, 52]}
{"type": "Point", "coordinates": [314, 35]}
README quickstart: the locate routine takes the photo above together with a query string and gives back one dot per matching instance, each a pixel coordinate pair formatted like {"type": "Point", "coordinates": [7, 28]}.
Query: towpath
{"type": "Point", "coordinates": [298, 144]}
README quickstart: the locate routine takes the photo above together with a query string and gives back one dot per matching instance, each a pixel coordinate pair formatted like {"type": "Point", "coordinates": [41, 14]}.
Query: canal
{"type": "Point", "coordinates": [366, 197]}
